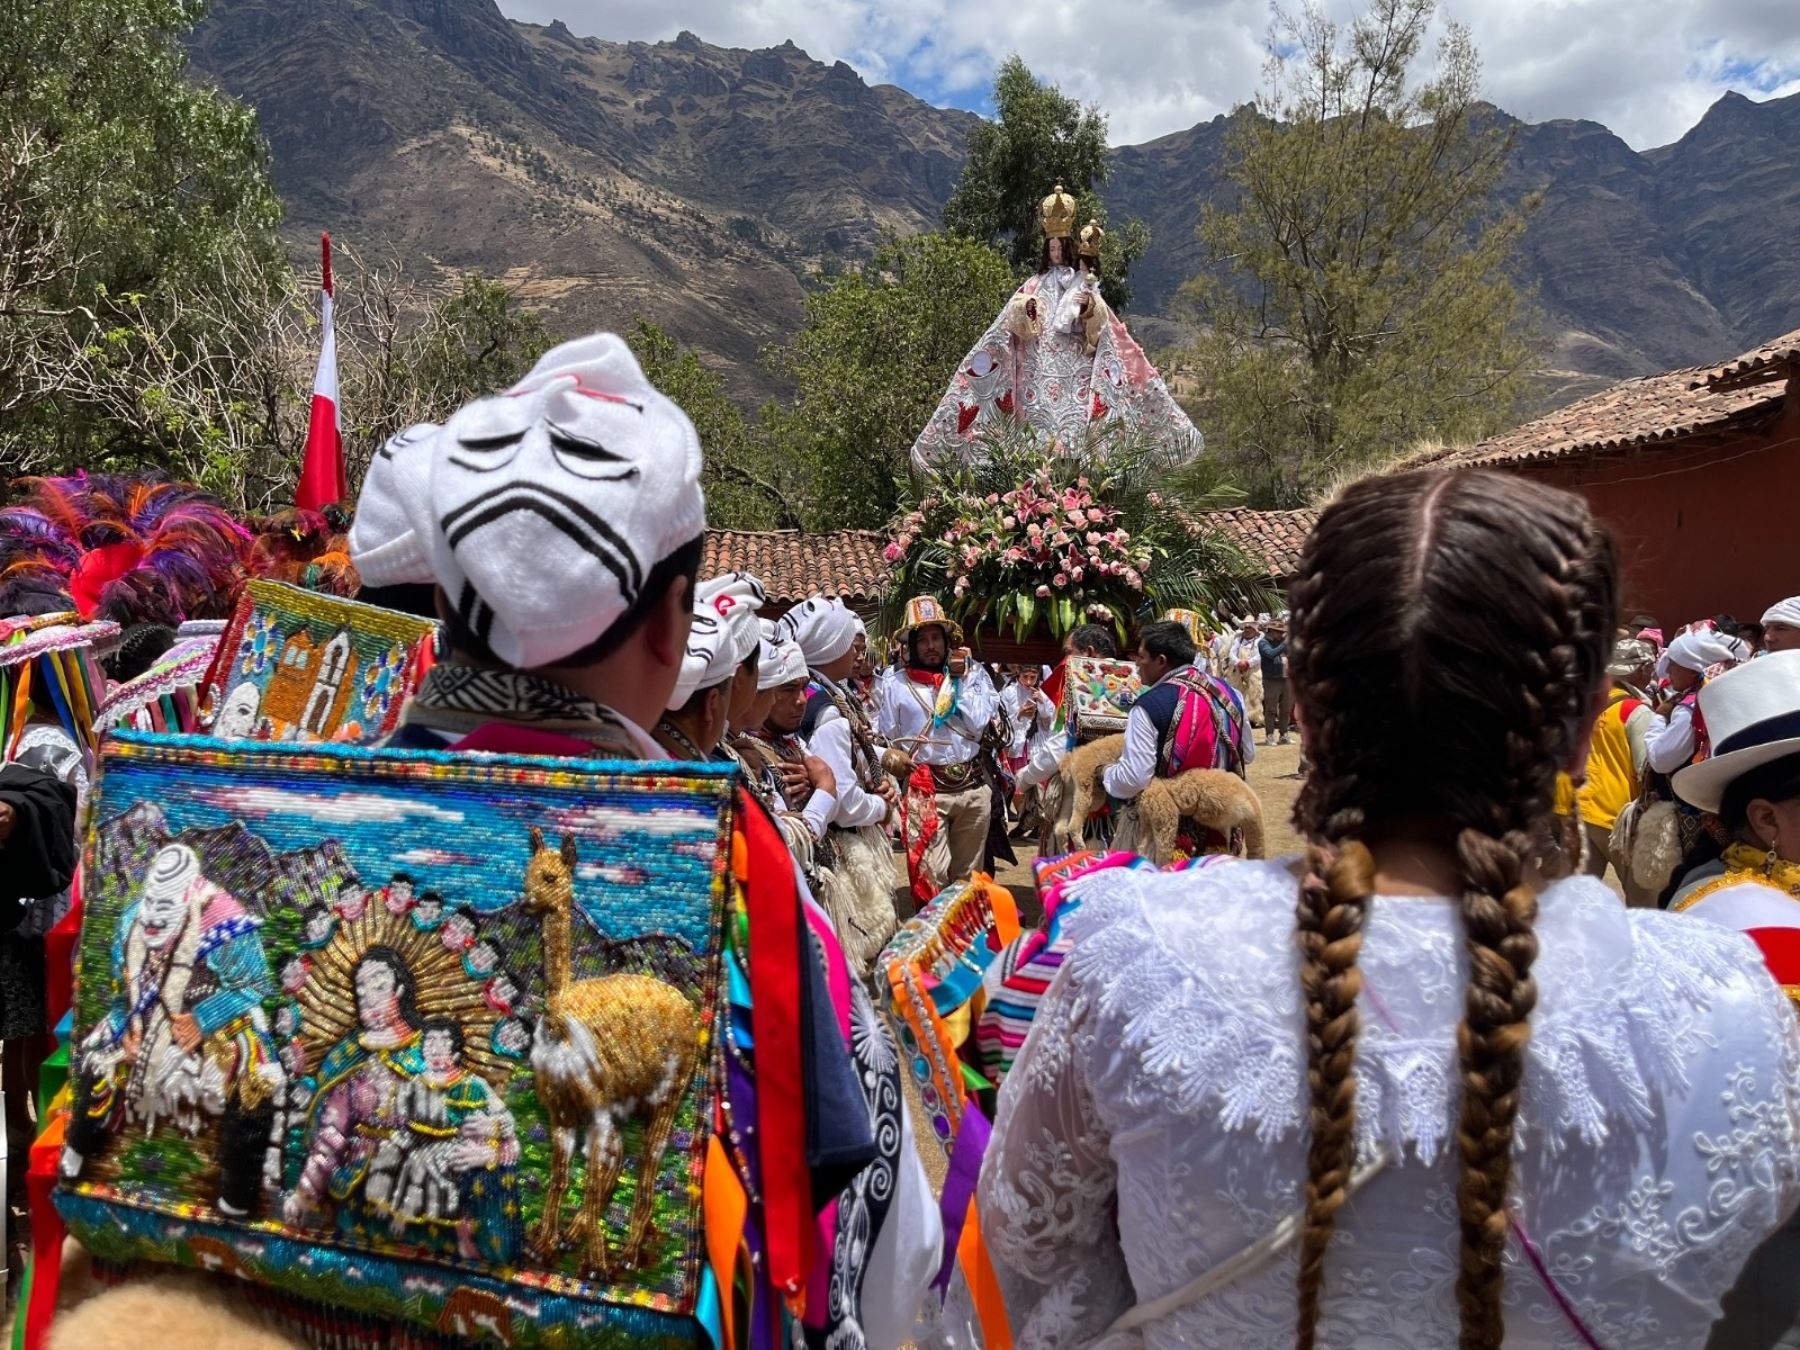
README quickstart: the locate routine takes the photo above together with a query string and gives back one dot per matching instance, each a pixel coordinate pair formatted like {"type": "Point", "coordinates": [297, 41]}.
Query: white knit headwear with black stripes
{"type": "Point", "coordinates": [549, 505]}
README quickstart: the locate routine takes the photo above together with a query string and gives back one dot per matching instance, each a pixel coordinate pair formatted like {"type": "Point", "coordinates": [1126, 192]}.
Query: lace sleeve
{"type": "Point", "coordinates": [1048, 1186]}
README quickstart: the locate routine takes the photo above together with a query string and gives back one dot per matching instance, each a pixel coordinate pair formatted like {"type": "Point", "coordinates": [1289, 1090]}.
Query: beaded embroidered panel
{"type": "Point", "coordinates": [414, 1035]}
{"type": "Point", "coordinates": [1097, 695]}
{"type": "Point", "coordinates": [294, 665]}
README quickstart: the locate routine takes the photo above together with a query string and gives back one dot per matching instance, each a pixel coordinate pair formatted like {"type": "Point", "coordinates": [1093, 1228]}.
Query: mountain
{"type": "Point", "coordinates": [702, 186]}
{"type": "Point", "coordinates": [711, 188]}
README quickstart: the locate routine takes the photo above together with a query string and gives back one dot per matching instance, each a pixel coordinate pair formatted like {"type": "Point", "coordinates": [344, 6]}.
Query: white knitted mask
{"type": "Point", "coordinates": [550, 505]}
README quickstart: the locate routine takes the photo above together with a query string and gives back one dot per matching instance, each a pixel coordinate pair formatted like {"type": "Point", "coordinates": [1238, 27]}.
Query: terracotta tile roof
{"type": "Point", "coordinates": [1644, 411]}
{"type": "Point", "coordinates": [794, 565]}
{"type": "Point", "coordinates": [1272, 539]}
{"type": "Point", "coordinates": [1761, 364]}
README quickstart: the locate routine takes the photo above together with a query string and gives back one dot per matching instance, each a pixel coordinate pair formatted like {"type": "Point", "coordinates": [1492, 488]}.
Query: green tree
{"type": "Point", "coordinates": [1038, 136]}
{"type": "Point", "coordinates": [748, 486]}
{"type": "Point", "coordinates": [877, 352]}
{"type": "Point", "coordinates": [133, 205]}
{"type": "Point", "coordinates": [1358, 298]}
{"type": "Point", "coordinates": [473, 341]}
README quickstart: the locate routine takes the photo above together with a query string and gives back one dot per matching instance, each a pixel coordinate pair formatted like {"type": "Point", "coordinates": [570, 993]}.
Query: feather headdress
{"type": "Point", "coordinates": [132, 548]}
{"type": "Point", "coordinates": [308, 549]}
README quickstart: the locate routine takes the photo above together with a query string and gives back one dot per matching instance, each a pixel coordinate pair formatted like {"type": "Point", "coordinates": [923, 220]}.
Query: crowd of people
{"type": "Point", "coordinates": [1430, 1083]}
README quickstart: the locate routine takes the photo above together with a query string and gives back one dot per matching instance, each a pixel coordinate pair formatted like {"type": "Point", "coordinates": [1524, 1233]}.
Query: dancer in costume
{"type": "Point", "coordinates": [567, 632]}
{"type": "Point", "coordinates": [1781, 626]}
{"type": "Point", "coordinates": [1185, 719]}
{"type": "Point", "coordinates": [1057, 359]}
{"type": "Point", "coordinates": [699, 713]}
{"type": "Point", "coordinates": [934, 711]}
{"type": "Point", "coordinates": [1202, 1102]}
{"type": "Point", "coordinates": [778, 767]}
{"type": "Point", "coordinates": [859, 859]}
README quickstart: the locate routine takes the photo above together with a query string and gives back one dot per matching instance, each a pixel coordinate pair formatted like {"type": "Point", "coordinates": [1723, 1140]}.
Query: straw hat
{"type": "Point", "coordinates": [921, 612]}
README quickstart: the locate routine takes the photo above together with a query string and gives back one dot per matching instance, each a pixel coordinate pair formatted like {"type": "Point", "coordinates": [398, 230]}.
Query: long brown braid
{"type": "Point", "coordinates": [1449, 634]}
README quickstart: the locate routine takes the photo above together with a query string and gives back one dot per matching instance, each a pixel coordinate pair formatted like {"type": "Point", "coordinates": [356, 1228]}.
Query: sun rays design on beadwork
{"type": "Point", "coordinates": [443, 987]}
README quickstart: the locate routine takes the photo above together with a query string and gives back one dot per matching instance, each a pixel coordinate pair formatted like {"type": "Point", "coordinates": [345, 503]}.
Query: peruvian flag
{"type": "Point", "coordinates": [322, 469]}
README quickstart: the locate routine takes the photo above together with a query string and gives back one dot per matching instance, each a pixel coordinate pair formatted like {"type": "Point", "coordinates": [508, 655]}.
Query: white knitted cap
{"type": "Point", "coordinates": [823, 626]}
{"type": "Point", "coordinates": [782, 662]}
{"type": "Point", "coordinates": [550, 505]}
{"type": "Point", "coordinates": [707, 660]}
{"type": "Point", "coordinates": [1784, 611]}
{"type": "Point", "coordinates": [735, 598]}
{"type": "Point", "coordinates": [384, 545]}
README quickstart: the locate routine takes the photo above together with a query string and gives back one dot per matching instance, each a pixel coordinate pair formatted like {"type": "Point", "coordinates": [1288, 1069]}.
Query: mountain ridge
{"type": "Point", "coordinates": [712, 188]}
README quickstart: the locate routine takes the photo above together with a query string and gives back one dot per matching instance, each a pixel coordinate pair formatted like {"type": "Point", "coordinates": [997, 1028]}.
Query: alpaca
{"type": "Point", "coordinates": [1219, 800]}
{"type": "Point", "coordinates": [1079, 779]}
{"type": "Point", "coordinates": [606, 1050]}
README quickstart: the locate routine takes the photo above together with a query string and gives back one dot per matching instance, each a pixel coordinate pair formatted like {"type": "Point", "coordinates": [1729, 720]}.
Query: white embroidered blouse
{"type": "Point", "coordinates": [1163, 1081]}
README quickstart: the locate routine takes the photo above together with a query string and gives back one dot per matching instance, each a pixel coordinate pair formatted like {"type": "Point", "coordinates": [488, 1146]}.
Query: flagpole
{"type": "Point", "coordinates": [322, 477]}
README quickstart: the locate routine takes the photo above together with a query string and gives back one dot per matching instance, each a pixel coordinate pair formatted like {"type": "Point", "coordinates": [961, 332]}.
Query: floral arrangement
{"type": "Point", "coordinates": [1033, 534]}
{"type": "Point", "coordinates": [1062, 551]}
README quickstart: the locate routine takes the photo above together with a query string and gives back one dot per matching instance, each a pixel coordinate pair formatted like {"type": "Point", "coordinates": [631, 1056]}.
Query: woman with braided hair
{"type": "Point", "coordinates": [1410, 1089]}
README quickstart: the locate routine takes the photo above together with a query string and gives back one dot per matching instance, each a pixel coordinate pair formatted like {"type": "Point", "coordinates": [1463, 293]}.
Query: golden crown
{"type": "Point", "coordinates": [1058, 211]}
{"type": "Point", "coordinates": [1092, 236]}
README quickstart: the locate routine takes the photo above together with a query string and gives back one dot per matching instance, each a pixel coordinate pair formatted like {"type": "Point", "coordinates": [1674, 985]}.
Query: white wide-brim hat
{"type": "Point", "coordinates": [1753, 717]}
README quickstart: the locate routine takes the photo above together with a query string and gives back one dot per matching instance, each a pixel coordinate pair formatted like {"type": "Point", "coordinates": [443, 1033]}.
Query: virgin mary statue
{"type": "Point", "coordinates": [1058, 359]}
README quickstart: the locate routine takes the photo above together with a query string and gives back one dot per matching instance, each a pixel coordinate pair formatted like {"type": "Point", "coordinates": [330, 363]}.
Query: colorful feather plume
{"type": "Point", "coordinates": [133, 548]}
{"type": "Point", "coordinates": [308, 549]}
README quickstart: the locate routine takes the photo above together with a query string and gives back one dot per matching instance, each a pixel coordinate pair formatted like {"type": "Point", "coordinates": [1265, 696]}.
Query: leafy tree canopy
{"type": "Point", "coordinates": [1358, 299]}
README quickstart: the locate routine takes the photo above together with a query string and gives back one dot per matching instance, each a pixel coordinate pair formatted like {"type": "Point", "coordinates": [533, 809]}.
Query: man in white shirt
{"type": "Point", "coordinates": [1243, 666]}
{"type": "Point", "coordinates": [1160, 742]}
{"type": "Point", "coordinates": [935, 710]}
{"type": "Point", "coordinates": [1029, 711]}
{"type": "Point", "coordinates": [859, 892]}
{"type": "Point", "coordinates": [1673, 739]}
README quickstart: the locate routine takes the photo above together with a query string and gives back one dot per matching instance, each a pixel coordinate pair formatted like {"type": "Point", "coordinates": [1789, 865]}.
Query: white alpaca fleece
{"type": "Point", "coordinates": [549, 505]}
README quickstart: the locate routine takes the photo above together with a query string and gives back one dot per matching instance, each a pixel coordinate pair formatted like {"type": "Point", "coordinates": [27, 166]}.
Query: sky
{"type": "Point", "coordinates": [1647, 69]}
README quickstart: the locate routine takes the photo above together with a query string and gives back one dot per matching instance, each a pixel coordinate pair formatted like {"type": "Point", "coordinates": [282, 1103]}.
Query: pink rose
{"type": "Point", "coordinates": [1095, 515]}
{"type": "Point", "coordinates": [1077, 519]}
{"type": "Point", "coordinates": [1061, 579]}
{"type": "Point", "coordinates": [1034, 529]}
{"type": "Point", "coordinates": [1076, 573]}
{"type": "Point", "coordinates": [1010, 522]}
{"type": "Point", "coordinates": [1093, 536]}
{"type": "Point", "coordinates": [993, 499]}
{"type": "Point", "coordinates": [1043, 592]}
{"type": "Point", "coordinates": [891, 553]}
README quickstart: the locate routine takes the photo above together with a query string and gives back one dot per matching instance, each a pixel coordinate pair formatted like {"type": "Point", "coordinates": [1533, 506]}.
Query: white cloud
{"type": "Point", "coordinates": [1647, 71]}
{"type": "Point", "coordinates": [347, 806]}
{"type": "Point", "coordinates": [432, 857]}
{"type": "Point", "coordinates": [666, 822]}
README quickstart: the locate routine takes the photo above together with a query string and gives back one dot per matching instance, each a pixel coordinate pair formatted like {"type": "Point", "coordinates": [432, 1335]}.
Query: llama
{"type": "Point", "coordinates": [606, 1050]}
